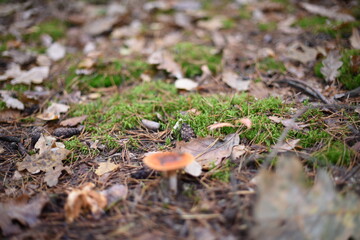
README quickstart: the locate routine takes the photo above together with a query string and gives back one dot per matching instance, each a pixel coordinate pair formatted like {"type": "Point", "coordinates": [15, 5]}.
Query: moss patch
{"type": "Point", "coordinates": [54, 27]}
{"type": "Point", "coordinates": [108, 74]}
{"type": "Point", "coordinates": [191, 57]}
{"type": "Point", "coordinates": [269, 26]}
{"type": "Point", "coordinates": [334, 152]}
{"type": "Point", "coordinates": [270, 64]}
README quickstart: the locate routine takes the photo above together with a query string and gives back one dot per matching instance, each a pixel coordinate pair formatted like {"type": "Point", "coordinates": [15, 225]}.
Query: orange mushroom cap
{"type": "Point", "coordinates": [168, 161]}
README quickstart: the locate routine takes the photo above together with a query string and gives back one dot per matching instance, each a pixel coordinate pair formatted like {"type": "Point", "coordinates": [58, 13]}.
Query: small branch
{"type": "Point", "coordinates": [305, 88]}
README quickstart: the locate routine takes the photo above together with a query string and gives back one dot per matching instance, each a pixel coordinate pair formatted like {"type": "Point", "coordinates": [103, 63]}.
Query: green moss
{"type": "Point", "coordinates": [2, 105]}
{"type": "Point", "coordinates": [75, 145]}
{"type": "Point", "coordinates": [244, 12]}
{"type": "Point", "coordinates": [266, 27]}
{"type": "Point", "coordinates": [317, 69]}
{"type": "Point", "coordinates": [17, 87]}
{"type": "Point", "coordinates": [334, 153]}
{"type": "Point", "coordinates": [191, 57]}
{"type": "Point", "coordinates": [125, 111]}
{"type": "Point", "coordinates": [228, 23]}
{"type": "Point", "coordinates": [224, 173]}
{"type": "Point", "coordinates": [270, 64]}
{"type": "Point", "coordinates": [318, 24]}
{"type": "Point", "coordinates": [3, 40]}
{"type": "Point", "coordinates": [349, 76]}
{"type": "Point", "coordinates": [108, 74]}
{"type": "Point", "coordinates": [55, 28]}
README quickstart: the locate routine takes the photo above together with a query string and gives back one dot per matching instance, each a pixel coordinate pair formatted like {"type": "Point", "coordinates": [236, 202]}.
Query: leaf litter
{"type": "Point", "coordinates": [288, 208]}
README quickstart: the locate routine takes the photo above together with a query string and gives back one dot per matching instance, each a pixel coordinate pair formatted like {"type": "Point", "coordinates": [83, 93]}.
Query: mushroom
{"type": "Point", "coordinates": [169, 163]}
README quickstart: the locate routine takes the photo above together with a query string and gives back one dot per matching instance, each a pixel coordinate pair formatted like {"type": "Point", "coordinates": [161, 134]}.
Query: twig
{"type": "Point", "coordinates": [350, 94]}
{"type": "Point", "coordinates": [302, 86]}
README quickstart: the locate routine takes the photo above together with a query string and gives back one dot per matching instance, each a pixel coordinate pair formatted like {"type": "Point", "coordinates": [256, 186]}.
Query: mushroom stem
{"type": "Point", "coordinates": [172, 181]}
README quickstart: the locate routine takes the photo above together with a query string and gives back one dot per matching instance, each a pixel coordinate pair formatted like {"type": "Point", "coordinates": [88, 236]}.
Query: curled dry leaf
{"type": "Point", "coordinates": [21, 211]}
{"type": "Point", "coordinates": [194, 169]}
{"type": "Point", "coordinates": [84, 198]}
{"type": "Point", "coordinates": [288, 145]}
{"type": "Point", "coordinates": [331, 66]}
{"type": "Point", "coordinates": [186, 84]}
{"type": "Point", "coordinates": [235, 81]}
{"type": "Point", "coordinates": [56, 51]}
{"type": "Point", "coordinates": [35, 75]}
{"type": "Point", "coordinates": [150, 124]}
{"type": "Point", "coordinates": [166, 62]}
{"type": "Point", "coordinates": [12, 72]}
{"type": "Point", "coordinates": [53, 112]}
{"type": "Point", "coordinates": [301, 53]}
{"type": "Point", "coordinates": [355, 38]}
{"type": "Point", "coordinates": [327, 12]}
{"type": "Point", "coordinates": [219, 125]}
{"type": "Point", "coordinates": [71, 122]}
{"type": "Point", "coordinates": [115, 193]}
{"type": "Point", "coordinates": [209, 151]}
{"type": "Point", "coordinates": [10, 101]}
{"type": "Point", "coordinates": [246, 121]}
{"type": "Point", "coordinates": [105, 167]}
{"type": "Point", "coordinates": [287, 208]}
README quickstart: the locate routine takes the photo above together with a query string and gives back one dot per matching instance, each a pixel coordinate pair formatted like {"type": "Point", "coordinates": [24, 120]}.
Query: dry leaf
{"type": "Point", "coordinates": [301, 53]}
{"type": "Point", "coordinates": [53, 112]}
{"type": "Point", "coordinates": [84, 198]}
{"type": "Point", "coordinates": [219, 125]}
{"type": "Point", "coordinates": [13, 71]}
{"type": "Point", "coordinates": [166, 62]}
{"type": "Point", "coordinates": [331, 65]}
{"type": "Point", "coordinates": [355, 38]}
{"type": "Point", "coordinates": [150, 124]}
{"type": "Point", "coordinates": [10, 101]}
{"type": "Point", "coordinates": [71, 122]}
{"type": "Point", "coordinates": [9, 115]}
{"type": "Point", "coordinates": [49, 160]}
{"type": "Point", "coordinates": [35, 75]}
{"type": "Point", "coordinates": [212, 25]}
{"type": "Point", "coordinates": [327, 12]}
{"type": "Point", "coordinates": [209, 151]}
{"type": "Point", "coordinates": [194, 169]}
{"type": "Point", "coordinates": [87, 63]}
{"type": "Point", "coordinates": [56, 51]}
{"type": "Point", "coordinates": [246, 121]}
{"type": "Point", "coordinates": [287, 146]}
{"type": "Point", "coordinates": [100, 26]}
{"type": "Point", "coordinates": [186, 84]}
{"type": "Point", "coordinates": [105, 167]}
{"type": "Point", "coordinates": [287, 122]}
{"type": "Point", "coordinates": [287, 208]}
{"type": "Point", "coordinates": [115, 193]}
{"type": "Point", "coordinates": [238, 151]}
{"type": "Point", "coordinates": [235, 81]}
{"type": "Point", "coordinates": [21, 211]}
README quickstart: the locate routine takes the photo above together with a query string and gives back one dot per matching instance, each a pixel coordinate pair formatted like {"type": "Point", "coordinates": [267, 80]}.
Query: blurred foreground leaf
{"type": "Point", "coordinates": [288, 209]}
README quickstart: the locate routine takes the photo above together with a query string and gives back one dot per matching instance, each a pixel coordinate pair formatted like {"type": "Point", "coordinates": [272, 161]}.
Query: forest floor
{"type": "Point", "coordinates": [264, 94]}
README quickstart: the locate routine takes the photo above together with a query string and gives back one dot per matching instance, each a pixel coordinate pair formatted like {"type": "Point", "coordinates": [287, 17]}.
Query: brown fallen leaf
{"type": "Point", "coordinates": [49, 160]}
{"type": "Point", "coordinates": [289, 145]}
{"type": "Point", "coordinates": [84, 198]}
{"type": "Point", "coordinates": [166, 62]}
{"type": "Point", "coordinates": [209, 151]}
{"type": "Point", "coordinates": [288, 208]}
{"type": "Point", "coordinates": [246, 121]}
{"type": "Point", "coordinates": [53, 112]}
{"type": "Point", "coordinates": [302, 53]}
{"type": "Point", "coordinates": [355, 38]}
{"type": "Point", "coordinates": [9, 115]}
{"type": "Point", "coordinates": [21, 211]}
{"type": "Point", "coordinates": [219, 125]}
{"type": "Point", "coordinates": [105, 167]}
{"type": "Point", "coordinates": [287, 122]}
{"type": "Point", "coordinates": [327, 12]}
{"type": "Point", "coordinates": [71, 122]}
{"type": "Point", "coordinates": [235, 81]}
{"type": "Point", "coordinates": [10, 101]}
{"type": "Point", "coordinates": [331, 66]}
